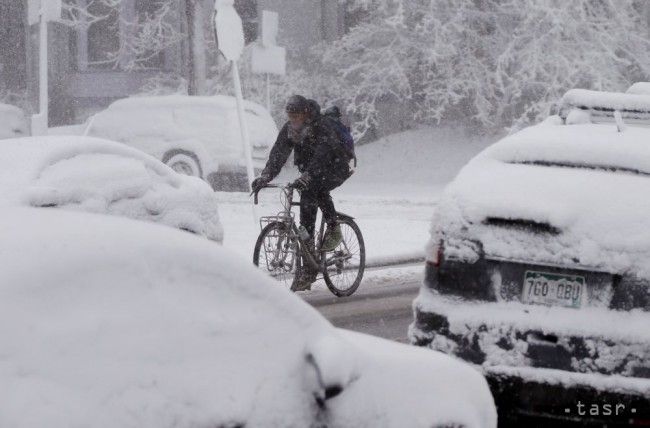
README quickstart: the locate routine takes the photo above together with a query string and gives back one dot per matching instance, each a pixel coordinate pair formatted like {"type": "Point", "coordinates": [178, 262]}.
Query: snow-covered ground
{"type": "Point", "coordinates": [392, 194]}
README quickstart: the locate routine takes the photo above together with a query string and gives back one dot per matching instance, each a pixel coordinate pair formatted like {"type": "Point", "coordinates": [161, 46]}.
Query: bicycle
{"type": "Point", "coordinates": [282, 245]}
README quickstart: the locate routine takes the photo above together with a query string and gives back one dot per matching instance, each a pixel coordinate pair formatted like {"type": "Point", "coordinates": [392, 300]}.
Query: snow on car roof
{"type": "Point", "coordinates": [207, 126]}
{"type": "Point", "coordinates": [102, 176]}
{"type": "Point", "coordinates": [12, 122]}
{"type": "Point", "coordinates": [222, 101]}
{"type": "Point", "coordinates": [583, 98]}
{"type": "Point", "coordinates": [581, 144]}
{"type": "Point", "coordinates": [6, 108]}
{"type": "Point", "coordinates": [124, 323]}
{"type": "Point", "coordinates": [640, 88]}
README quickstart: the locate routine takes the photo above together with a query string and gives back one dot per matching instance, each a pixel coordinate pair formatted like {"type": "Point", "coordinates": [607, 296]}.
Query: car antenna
{"type": "Point", "coordinates": [620, 125]}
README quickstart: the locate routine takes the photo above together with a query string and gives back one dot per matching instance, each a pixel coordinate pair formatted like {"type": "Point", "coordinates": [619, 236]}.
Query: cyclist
{"type": "Point", "coordinates": [323, 164]}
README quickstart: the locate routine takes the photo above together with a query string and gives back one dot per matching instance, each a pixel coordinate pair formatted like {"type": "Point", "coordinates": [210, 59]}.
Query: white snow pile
{"type": "Point", "coordinates": [107, 322]}
{"type": "Point", "coordinates": [639, 88]}
{"type": "Point", "coordinates": [100, 176]}
{"type": "Point", "coordinates": [411, 166]}
{"type": "Point", "coordinates": [13, 122]}
{"type": "Point", "coordinates": [205, 126]}
{"type": "Point", "coordinates": [588, 181]}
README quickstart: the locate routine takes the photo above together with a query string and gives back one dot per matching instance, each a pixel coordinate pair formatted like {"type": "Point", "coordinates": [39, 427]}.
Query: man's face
{"type": "Point", "coordinates": [297, 120]}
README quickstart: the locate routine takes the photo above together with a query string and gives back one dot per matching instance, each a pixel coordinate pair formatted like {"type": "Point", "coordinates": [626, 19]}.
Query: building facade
{"type": "Point", "coordinates": [90, 65]}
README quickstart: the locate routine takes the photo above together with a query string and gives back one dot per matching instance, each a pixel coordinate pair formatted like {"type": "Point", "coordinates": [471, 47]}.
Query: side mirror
{"type": "Point", "coordinates": [333, 363]}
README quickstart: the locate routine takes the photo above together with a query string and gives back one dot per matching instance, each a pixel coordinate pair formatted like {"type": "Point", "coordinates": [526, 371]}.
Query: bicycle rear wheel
{"type": "Point", "coordinates": [277, 253]}
{"type": "Point", "coordinates": [344, 266]}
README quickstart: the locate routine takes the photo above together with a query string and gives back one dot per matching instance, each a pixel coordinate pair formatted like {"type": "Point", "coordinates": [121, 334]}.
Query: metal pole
{"type": "Point", "coordinates": [42, 69]}
{"type": "Point", "coordinates": [268, 92]}
{"type": "Point", "coordinates": [242, 125]}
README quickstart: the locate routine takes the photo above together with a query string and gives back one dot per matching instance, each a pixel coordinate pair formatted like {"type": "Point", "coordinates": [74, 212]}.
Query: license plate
{"type": "Point", "coordinates": [552, 289]}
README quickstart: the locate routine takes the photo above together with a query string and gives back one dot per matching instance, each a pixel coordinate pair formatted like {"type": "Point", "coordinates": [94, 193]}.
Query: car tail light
{"type": "Point", "coordinates": [437, 253]}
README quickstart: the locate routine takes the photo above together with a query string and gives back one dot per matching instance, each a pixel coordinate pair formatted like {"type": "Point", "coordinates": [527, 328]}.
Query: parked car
{"type": "Point", "coordinates": [13, 122]}
{"type": "Point", "coordinates": [196, 136]}
{"type": "Point", "coordinates": [639, 88]}
{"type": "Point", "coordinates": [538, 265]}
{"type": "Point", "coordinates": [100, 176]}
{"type": "Point", "coordinates": [108, 322]}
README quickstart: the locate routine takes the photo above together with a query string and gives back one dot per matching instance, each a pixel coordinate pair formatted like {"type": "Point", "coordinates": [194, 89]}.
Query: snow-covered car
{"type": "Point", "coordinates": [538, 265]}
{"type": "Point", "coordinates": [100, 176]}
{"type": "Point", "coordinates": [109, 322]}
{"type": "Point", "coordinates": [196, 136]}
{"type": "Point", "coordinates": [639, 88]}
{"type": "Point", "coordinates": [13, 122]}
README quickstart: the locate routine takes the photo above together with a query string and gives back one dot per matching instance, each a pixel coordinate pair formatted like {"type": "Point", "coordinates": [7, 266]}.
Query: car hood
{"type": "Point", "coordinates": [110, 322]}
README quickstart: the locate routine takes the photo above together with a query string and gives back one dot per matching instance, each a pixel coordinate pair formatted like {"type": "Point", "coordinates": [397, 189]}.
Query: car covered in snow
{"type": "Point", "coordinates": [197, 136]}
{"type": "Point", "coordinates": [538, 265]}
{"type": "Point", "coordinates": [639, 88]}
{"type": "Point", "coordinates": [100, 176]}
{"type": "Point", "coordinates": [109, 322]}
{"type": "Point", "coordinates": [13, 122]}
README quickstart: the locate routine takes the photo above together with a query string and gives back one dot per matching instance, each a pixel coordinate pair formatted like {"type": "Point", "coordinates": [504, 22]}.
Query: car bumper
{"type": "Point", "coordinates": [542, 360]}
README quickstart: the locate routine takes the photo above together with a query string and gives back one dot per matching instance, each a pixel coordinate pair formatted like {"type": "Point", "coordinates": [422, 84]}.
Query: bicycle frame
{"type": "Point", "coordinates": [286, 217]}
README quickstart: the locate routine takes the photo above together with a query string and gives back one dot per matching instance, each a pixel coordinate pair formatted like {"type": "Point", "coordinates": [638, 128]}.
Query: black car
{"type": "Point", "coordinates": [538, 266]}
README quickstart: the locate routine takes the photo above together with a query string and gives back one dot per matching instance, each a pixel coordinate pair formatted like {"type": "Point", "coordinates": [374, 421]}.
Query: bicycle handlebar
{"type": "Point", "coordinates": [268, 186]}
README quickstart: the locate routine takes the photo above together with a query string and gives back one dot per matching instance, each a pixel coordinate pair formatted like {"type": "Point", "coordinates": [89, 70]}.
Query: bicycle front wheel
{"type": "Point", "coordinates": [277, 253]}
{"type": "Point", "coordinates": [344, 266]}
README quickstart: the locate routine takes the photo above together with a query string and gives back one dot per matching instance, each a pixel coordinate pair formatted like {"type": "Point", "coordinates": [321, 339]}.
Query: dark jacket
{"type": "Point", "coordinates": [318, 151]}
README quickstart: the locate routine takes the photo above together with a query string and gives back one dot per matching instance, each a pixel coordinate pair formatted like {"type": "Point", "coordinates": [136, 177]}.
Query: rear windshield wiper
{"type": "Point", "coordinates": [608, 168]}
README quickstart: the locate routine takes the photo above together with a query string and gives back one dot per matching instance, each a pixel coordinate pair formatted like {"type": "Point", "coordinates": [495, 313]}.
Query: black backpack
{"type": "Point", "coordinates": [343, 132]}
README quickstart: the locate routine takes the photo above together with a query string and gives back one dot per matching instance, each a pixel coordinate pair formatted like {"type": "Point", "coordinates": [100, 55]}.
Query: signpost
{"type": "Point", "coordinates": [230, 35]}
{"type": "Point", "coordinates": [42, 12]}
{"type": "Point", "coordinates": [269, 58]}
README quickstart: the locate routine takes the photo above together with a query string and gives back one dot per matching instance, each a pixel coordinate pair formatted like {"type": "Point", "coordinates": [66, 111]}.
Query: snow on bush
{"type": "Point", "coordinates": [496, 64]}
{"type": "Point", "coordinates": [108, 322]}
{"type": "Point", "coordinates": [100, 176]}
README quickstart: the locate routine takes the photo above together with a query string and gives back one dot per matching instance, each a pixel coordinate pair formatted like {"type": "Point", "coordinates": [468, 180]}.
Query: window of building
{"type": "Point", "coordinates": [103, 35]}
{"type": "Point", "coordinates": [114, 34]}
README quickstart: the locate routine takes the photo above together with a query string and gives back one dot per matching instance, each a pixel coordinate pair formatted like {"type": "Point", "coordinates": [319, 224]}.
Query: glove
{"type": "Point", "coordinates": [301, 183]}
{"type": "Point", "coordinates": [260, 182]}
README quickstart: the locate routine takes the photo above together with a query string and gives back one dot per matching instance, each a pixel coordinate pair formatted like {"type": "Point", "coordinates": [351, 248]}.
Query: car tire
{"type": "Point", "coordinates": [183, 162]}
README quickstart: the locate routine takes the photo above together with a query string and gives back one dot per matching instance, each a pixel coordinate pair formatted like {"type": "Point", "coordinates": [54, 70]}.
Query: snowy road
{"type": "Point", "coordinates": [380, 307]}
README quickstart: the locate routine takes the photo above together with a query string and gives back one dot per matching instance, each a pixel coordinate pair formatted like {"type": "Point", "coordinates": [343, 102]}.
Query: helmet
{"type": "Point", "coordinates": [333, 111]}
{"type": "Point", "coordinates": [297, 104]}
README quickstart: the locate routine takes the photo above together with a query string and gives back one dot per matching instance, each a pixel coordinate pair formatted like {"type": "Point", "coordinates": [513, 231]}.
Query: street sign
{"type": "Point", "coordinates": [33, 11]}
{"type": "Point", "coordinates": [269, 60]}
{"type": "Point", "coordinates": [230, 32]}
{"type": "Point", "coordinates": [270, 25]}
{"type": "Point", "coordinates": [51, 10]}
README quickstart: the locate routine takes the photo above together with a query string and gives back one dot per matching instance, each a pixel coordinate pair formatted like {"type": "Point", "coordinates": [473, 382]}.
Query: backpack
{"type": "Point", "coordinates": [343, 132]}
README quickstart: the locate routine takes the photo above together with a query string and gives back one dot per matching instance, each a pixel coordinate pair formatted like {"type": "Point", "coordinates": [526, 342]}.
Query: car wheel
{"type": "Point", "coordinates": [183, 162]}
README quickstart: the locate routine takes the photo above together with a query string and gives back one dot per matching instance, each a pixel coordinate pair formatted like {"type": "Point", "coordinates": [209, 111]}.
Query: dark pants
{"type": "Point", "coordinates": [317, 195]}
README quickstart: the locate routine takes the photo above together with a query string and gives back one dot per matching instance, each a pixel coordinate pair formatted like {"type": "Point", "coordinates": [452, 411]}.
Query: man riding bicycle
{"type": "Point", "coordinates": [323, 164]}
